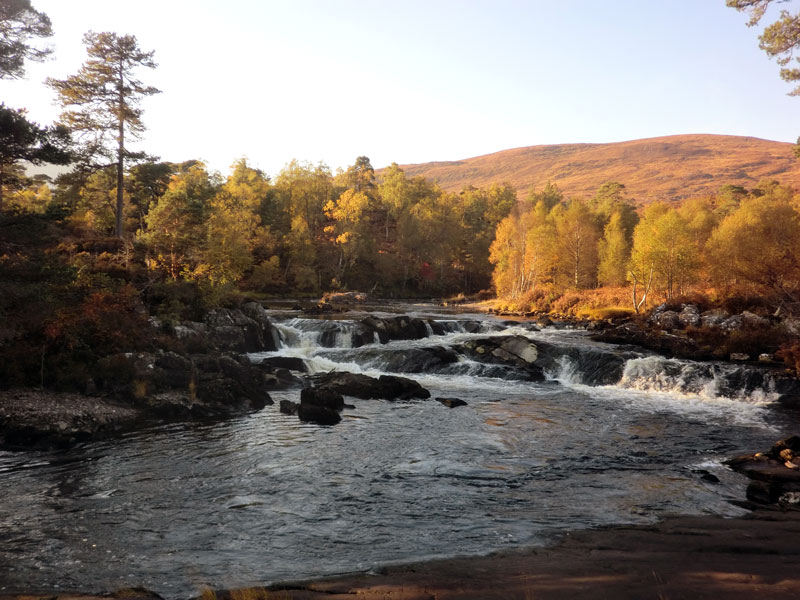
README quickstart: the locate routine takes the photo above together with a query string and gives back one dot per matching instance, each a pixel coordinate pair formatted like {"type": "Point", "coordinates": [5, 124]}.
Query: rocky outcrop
{"type": "Point", "coordinates": [292, 363]}
{"type": "Point", "coordinates": [775, 474]}
{"type": "Point", "coordinates": [387, 387]}
{"type": "Point", "coordinates": [247, 329]}
{"type": "Point", "coordinates": [171, 385]}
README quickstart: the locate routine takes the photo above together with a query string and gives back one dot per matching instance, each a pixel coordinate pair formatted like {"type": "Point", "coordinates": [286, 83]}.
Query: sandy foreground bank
{"type": "Point", "coordinates": [679, 558]}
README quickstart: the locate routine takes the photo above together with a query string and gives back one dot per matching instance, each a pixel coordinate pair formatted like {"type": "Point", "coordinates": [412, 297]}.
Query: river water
{"type": "Point", "coordinates": [264, 497]}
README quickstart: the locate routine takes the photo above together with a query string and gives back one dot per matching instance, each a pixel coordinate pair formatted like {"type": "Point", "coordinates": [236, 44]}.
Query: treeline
{"type": "Point", "coordinates": [738, 242]}
{"type": "Point", "coordinates": [306, 231]}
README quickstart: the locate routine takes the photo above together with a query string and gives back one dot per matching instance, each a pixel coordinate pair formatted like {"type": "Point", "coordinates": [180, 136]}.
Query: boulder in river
{"type": "Point", "coordinates": [397, 328]}
{"type": "Point", "coordinates": [318, 414]}
{"type": "Point", "coordinates": [287, 407]}
{"type": "Point", "coordinates": [514, 350]}
{"type": "Point", "coordinates": [320, 396]}
{"type": "Point", "coordinates": [388, 387]}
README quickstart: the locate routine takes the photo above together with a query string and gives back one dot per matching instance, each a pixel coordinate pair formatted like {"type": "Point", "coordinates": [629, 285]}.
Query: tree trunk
{"type": "Point", "coordinates": [120, 156]}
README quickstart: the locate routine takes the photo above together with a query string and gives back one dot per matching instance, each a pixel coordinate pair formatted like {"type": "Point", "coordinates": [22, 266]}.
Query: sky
{"type": "Point", "coordinates": [423, 80]}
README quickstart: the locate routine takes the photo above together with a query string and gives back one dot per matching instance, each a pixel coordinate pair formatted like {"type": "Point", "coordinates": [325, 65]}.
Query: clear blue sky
{"type": "Point", "coordinates": [422, 80]}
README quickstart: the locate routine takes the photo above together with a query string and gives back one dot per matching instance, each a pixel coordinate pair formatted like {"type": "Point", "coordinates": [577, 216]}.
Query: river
{"type": "Point", "coordinates": [264, 497]}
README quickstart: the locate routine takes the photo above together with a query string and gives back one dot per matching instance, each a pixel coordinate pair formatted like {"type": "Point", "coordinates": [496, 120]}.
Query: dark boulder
{"type": "Point", "coordinates": [436, 327]}
{"type": "Point", "coordinates": [386, 387]}
{"type": "Point", "coordinates": [291, 363]}
{"type": "Point", "coordinates": [245, 330]}
{"type": "Point", "coordinates": [362, 335]}
{"type": "Point", "coordinates": [472, 326]}
{"type": "Point", "coordinates": [271, 339]}
{"type": "Point", "coordinates": [451, 402]}
{"type": "Point", "coordinates": [432, 359]}
{"type": "Point", "coordinates": [322, 397]}
{"type": "Point", "coordinates": [397, 328]}
{"type": "Point", "coordinates": [318, 414]}
{"type": "Point", "coordinates": [288, 407]}
{"type": "Point", "coordinates": [401, 388]}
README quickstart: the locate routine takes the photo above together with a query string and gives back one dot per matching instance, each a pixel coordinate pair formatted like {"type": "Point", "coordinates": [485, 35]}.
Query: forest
{"type": "Point", "coordinates": [121, 229]}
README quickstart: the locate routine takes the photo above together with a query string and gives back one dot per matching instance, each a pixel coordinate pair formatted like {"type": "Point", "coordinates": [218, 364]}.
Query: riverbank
{"type": "Point", "coordinates": [678, 558]}
{"type": "Point", "coordinates": [681, 557]}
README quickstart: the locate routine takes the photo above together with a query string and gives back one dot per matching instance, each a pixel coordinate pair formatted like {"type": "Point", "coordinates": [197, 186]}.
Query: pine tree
{"type": "Point", "coordinates": [101, 102]}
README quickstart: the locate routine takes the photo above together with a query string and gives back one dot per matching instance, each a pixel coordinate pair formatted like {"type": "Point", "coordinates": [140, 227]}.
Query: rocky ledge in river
{"type": "Point", "coordinates": [518, 357]}
{"type": "Point", "coordinates": [133, 389]}
{"type": "Point", "coordinates": [199, 372]}
{"type": "Point", "coordinates": [775, 474]}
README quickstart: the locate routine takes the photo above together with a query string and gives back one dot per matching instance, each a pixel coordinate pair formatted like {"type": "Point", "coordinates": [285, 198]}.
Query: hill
{"type": "Point", "coordinates": [665, 168]}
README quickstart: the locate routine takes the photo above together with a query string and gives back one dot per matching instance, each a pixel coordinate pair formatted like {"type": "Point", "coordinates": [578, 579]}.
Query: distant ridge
{"type": "Point", "coordinates": [668, 168]}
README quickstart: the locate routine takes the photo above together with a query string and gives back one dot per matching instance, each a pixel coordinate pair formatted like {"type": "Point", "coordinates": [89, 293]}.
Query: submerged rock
{"type": "Point", "coordinates": [452, 402]}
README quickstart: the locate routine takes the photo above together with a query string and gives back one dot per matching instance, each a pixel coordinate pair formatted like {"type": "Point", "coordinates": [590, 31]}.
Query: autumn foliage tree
{"type": "Point", "coordinates": [758, 247]}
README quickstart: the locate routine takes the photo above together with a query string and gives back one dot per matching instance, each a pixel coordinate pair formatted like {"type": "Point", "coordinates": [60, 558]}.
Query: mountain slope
{"type": "Point", "coordinates": [665, 168]}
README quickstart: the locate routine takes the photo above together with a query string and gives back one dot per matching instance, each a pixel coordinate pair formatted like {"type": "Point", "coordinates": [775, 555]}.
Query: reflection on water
{"type": "Point", "coordinates": [265, 497]}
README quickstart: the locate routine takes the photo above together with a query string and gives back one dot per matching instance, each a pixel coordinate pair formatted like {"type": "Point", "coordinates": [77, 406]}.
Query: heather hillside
{"type": "Point", "coordinates": [665, 168]}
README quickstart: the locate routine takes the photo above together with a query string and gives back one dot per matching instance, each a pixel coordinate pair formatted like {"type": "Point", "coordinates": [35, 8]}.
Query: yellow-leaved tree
{"type": "Point", "coordinates": [664, 252]}
{"type": "Point", "coordinates": [757, 247]}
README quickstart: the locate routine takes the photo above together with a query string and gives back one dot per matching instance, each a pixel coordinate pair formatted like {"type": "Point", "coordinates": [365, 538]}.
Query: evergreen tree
{"type": "Point", "coordinates": [22, 140]}
{"type": "Point", "coordinates": [101, 102]}
{"type": "Point", "coordinates": [19, 24]}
